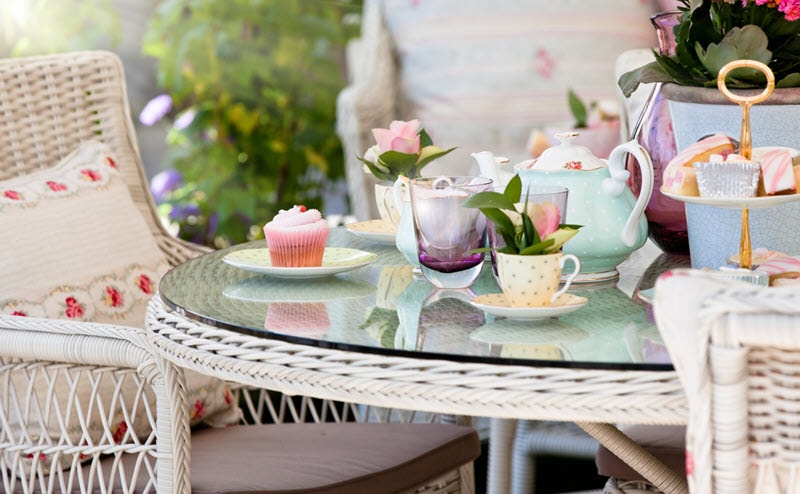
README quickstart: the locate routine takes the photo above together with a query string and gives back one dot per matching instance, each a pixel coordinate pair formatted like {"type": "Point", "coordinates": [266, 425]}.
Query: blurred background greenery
{"type": "Point", "coordinates": [241, 95]}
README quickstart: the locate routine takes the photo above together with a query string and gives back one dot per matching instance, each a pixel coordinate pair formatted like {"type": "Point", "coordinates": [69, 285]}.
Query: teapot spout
{"type": "Point", "coordinates": [489, 165]}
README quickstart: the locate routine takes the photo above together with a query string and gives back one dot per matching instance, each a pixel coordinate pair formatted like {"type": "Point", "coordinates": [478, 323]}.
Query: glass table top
{"type": "Point", "coordinates": [382, 308]}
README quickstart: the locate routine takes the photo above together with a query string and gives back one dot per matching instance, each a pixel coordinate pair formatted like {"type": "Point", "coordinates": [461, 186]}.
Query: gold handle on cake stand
{"type": "Point", "coordinates": [745, 138]}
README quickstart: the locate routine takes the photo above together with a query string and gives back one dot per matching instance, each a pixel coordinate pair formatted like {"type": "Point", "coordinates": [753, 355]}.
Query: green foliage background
{"type": "Point", "coordinates": [33, 27]}
{"type": "Point", "coordinates": [262, 77]}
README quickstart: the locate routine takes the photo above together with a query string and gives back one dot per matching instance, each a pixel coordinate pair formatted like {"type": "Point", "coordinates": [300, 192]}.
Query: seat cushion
{"type": "Point", "coordinates": [667, 443]}
{"type": "Point", "coordinates": [327, 458]}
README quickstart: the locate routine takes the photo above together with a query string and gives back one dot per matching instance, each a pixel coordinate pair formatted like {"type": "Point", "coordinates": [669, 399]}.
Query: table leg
{"type": "Point", "coordinates": [501, 440]}
{"type": "Point", "coordinates": [636, 457]}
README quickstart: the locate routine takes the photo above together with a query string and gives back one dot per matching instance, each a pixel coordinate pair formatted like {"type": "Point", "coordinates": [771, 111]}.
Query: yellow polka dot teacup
{"type": "Point", "coordinates": [532, 281]}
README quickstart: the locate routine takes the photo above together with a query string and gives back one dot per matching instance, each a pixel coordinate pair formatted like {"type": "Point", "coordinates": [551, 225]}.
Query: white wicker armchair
{"type": "Point", "coordinates": [736, 348]}
{"type": "Point", "coordinates": [55, 438]}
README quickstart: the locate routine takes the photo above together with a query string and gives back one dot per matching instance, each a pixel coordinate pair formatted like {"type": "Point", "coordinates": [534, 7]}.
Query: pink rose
{"type": "Point", "coordinates": [400, 136]}
{"type": "Point", "coordinates": [545, 217]}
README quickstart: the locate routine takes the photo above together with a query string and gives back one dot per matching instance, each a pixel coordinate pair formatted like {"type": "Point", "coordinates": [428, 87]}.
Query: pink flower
{"type": "Point", "coordinates": [545, 218]}
{"type": "Point", "coordinates": [74, 309]}
{"type": "Point", "coordinates": [56, 186]}
{"type": "Point", "coordinates": [12, 194]}
{"type": "Point", "coordinates": [400, 136]}
{"type": "Point", "coordinates": [90, 175]}
{"type": "Point", "coordinates": [790, 9]}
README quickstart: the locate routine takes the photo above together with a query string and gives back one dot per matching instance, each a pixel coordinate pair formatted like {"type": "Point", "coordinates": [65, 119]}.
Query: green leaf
{"type": "Point", "coordinates": [652, 72]}
{"type": "Point", "coordinates": [513, 190]}
{"type": "Point", "coordinates": [490, 199]}
{"type": "Point", "coordinates": [537, 248]}
{"type": "Point", "coordinates": [424, 139]}
{"type": "Point", "coordinates": [749, 42]}
{"type": "Point", "coordinates": [791, 80]}
{"type": "Point", "coordinates": [578, 109]}
{"type": "Point", "coordinates": [428, 154]}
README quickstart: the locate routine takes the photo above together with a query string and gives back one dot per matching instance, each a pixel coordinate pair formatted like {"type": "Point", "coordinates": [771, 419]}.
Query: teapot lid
{"type": "Point", "coordinates": [568, 156]}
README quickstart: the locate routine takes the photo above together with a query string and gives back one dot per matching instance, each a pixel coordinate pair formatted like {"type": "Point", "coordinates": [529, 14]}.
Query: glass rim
{"type": "Point", "coordinates": [457, 181]}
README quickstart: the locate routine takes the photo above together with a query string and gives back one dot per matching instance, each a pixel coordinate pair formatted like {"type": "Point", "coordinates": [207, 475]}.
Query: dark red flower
{"type": "Point", "coordinates": [19, 313]}
{"type": "Point", "coordinates": [113, 297]}
{"type": "Point", "coordinates": [110, 162]}
{"type": "Point", "coordinates": [120, 431]}
{"type": "Point", "coordinates": [145, 284]}
{"type": "Point", "coordinates": [56, 186]}
{"type": "Point", "coordinates": [198, 410]}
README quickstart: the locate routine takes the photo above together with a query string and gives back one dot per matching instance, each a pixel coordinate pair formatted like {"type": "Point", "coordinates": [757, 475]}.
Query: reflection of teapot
{"type": "Point", "coordinates": [613, 220]}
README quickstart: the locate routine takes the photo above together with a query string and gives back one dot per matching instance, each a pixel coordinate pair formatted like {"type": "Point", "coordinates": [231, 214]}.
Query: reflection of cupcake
{"type": "Point", "coordinates": [305, 319]}
{"type": "Point", "coordinates": [296, 237]}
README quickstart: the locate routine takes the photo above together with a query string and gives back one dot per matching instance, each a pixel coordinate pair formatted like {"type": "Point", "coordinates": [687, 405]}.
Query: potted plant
{"type": "Point", "coordinates": [402, 150]}
{"type": "Point", "coordinates": [532, 239]}
{"type": "Point", "coordinates": [596, 123]}
{"type": "Point", "coordinates": [708, 35]}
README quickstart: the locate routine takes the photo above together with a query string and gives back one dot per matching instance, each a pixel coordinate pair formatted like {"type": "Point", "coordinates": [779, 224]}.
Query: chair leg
{"type": "Point", "coordinates": [523, 461]}
{"type": "Point", "coordinates": [501, 435]}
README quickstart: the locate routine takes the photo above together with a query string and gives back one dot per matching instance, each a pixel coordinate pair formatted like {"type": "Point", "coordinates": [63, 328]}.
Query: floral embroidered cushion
{"type": "Point", "coordinates": [481, 75]}
{"type": "Point", "coordinates": [78, 248]}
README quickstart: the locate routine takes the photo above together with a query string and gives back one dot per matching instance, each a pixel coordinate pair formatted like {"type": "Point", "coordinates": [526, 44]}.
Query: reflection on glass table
{"type": "Point", "coordinates": [382, 308]}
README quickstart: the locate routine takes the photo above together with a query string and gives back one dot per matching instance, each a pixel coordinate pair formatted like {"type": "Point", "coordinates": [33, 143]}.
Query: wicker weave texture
{"type": "Point", "coordinates": [50, 104]}
{"type": "Point", "coordinates": [740, 364]}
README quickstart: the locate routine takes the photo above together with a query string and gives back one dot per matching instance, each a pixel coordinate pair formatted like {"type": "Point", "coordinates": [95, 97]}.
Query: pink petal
{"type": "Point", "coordinates": [408, 146]}
{"type": "Point", "coordinates": [383, 138]}
{"type": "Point", "coordinates": [404, 129]}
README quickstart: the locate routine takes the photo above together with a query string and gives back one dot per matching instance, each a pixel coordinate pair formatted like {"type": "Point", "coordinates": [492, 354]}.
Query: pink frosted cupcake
{"type": "Point", "coordinates": [296, 237]}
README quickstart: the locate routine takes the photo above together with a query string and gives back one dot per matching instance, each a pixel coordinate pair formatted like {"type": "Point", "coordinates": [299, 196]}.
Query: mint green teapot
{"type": "Point", "coordinates": [614, 224]}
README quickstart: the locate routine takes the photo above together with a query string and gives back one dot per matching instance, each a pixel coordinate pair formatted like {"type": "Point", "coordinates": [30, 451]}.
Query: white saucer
{"type": "Point", "coordinates": [496, 304]}
{"type": "Point", "coordinates": [735, 202]}
{"type": "Point", "coordinates": [380, 231]}
{"type": "Point", "coordinates": [334, 260]}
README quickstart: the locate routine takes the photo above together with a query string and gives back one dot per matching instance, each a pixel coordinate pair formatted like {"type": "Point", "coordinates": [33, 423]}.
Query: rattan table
{"type": "Point", "coordinates": [377, 336]}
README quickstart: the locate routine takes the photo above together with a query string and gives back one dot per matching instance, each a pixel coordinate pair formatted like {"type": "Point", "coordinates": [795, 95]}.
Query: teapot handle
{"type": "Point", "coordinates": [618, 182]}
{"type": "Point", "coordinates": [400, 191]}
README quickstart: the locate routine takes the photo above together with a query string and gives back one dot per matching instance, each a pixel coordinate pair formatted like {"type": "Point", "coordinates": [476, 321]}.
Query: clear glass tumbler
{"type": "Point", "coordinates": [446, 231]}
{"type": "Point", "coordinates": [535, 194]}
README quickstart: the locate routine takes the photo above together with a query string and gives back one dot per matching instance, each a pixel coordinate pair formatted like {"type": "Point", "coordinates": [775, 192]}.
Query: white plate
{"type": "Point", "coordinates": [334, 260]}
{"type": "Point", "coordinates": [735, 202]}
{"type": "Point", "coordinates": [496, 304]}
{"type": "Point", "coordinates": [380, 231]}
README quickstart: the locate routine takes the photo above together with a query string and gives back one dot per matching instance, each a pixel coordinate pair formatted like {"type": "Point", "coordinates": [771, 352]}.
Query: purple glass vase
{"type": "Point", "coordinates": [666, 218]}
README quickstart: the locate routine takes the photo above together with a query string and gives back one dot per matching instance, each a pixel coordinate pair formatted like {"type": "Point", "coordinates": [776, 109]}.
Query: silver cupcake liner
{"type": "Point", "coordinates": [731, 179]}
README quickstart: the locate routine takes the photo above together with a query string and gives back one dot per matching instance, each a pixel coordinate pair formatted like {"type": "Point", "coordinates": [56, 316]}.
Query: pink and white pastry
{"type": "Point", "coordinates": [777, 171]}
{"type": "Point", "coordinates": [296, 237]}
{"type": "Point", "coordinates": [679, 175]}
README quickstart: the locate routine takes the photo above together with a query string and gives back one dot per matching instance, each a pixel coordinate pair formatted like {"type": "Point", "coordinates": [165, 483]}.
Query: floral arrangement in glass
{"type": "Point", "coordinates": [401, 150]}
{"type": "Point", "coordinates": [711, 33]}
{"type": "Point", "coordinates": [538, 232]}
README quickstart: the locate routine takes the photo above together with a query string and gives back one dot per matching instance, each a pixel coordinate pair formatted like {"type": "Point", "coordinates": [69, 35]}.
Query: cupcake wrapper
{"type": "Point", "coordinates": [737, 179]}
{"type": "Point", "coordinates": [297, 249]}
